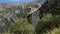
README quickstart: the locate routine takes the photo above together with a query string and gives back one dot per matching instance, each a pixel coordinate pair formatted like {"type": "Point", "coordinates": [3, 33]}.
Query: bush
{"type": "Point", "coordinates": [48, 23]}
{"type": "Point", "coordinates": [21, 27]}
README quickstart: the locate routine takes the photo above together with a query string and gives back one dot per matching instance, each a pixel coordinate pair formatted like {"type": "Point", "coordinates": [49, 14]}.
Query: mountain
{"type": "Point", "coordinates": [19, 1]}
{"type": "Point", "coordinates": [10, 13]}
{"type": "Point", "coordinates": [14, 1]}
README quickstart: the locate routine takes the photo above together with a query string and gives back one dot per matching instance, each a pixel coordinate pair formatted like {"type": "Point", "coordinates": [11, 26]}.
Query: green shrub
{"type": "Point", "coordinates": [21, 27]}
{"type": "Point", "coordinates": [47, 23]}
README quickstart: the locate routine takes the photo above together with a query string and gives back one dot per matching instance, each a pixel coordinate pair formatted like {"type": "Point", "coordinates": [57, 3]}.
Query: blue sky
{"type": "Point", "coordinates": [17, 1]}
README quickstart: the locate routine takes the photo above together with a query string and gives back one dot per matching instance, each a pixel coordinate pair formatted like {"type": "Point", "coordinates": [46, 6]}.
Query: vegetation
{"type": "Point", "coordinates": [21, 27]}
{"type": "Point", "coordinates": [16, 20]}
{"type": "Point", "coordinates": [48, 23]}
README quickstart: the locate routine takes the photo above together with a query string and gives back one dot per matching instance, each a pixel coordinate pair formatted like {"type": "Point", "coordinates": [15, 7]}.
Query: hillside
{"type": "Point", "coordinates": [34, 17]}
{"type": "Point", "coordinates": [10, 13]}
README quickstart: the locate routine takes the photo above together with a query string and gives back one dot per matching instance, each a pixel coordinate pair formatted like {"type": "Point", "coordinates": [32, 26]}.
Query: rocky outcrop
{"type": "Point", "coordinates": [47, 7]}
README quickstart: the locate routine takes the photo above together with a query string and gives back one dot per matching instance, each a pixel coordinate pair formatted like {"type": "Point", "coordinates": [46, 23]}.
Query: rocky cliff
{"type": "Point", "coordinates": [49, 6]}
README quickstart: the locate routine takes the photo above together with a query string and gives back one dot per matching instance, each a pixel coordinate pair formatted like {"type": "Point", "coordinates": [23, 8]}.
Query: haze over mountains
{"type": "Point", "coordinates": [18, 1]}
{"type": "Point", "coordinates": [15, 3]}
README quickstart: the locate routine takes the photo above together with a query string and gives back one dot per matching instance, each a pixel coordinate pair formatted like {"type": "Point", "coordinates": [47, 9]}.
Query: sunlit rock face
{"type": "Point", "coordinates": [46, 7]}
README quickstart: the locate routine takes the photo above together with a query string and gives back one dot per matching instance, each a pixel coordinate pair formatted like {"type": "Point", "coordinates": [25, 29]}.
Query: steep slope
{"type": "Point", "coordinates": [48, 23]}
{"type": "Point", "coordinates": [12, 13]}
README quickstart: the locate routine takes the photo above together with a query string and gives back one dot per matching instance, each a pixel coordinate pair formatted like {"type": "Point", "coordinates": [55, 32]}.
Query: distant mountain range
{"type": "Point", "coordinates": [19, 1]}
{"type": "Point", "coordinates": [14, 1]}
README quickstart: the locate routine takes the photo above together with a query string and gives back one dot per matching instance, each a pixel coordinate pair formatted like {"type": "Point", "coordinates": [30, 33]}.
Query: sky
{"type": "Point", "coordinates": [17, 1]}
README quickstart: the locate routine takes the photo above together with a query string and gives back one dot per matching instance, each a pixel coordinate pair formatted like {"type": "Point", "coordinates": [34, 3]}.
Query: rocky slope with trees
{"type": "Point", "coordinates": [19, 19]}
